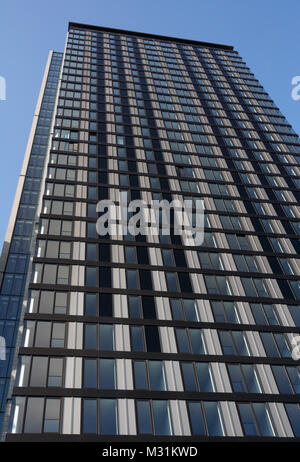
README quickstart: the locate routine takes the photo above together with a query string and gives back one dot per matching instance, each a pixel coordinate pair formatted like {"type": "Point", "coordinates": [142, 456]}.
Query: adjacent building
{"type": "Point", "coordinates": [152, 338]}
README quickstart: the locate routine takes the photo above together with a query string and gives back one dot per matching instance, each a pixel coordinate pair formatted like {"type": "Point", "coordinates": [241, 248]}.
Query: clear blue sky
{"type": "Point", "coordinates": [265, 32]}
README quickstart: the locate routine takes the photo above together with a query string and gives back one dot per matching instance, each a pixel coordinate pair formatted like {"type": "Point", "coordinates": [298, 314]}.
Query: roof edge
{"type": "Point", "coordinates": [148, 35]}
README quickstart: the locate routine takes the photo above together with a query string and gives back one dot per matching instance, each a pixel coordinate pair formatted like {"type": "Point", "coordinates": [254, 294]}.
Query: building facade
{"type": "Point", "coordinates": [152, 338]}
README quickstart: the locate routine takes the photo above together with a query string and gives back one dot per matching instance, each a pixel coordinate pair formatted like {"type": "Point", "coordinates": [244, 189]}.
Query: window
{"type": "Point", "coordinates": [145, 338]}
{"type": "Point", "coordinates": [233, 343]}
{"type": "Point", "coordinates": [293, 412]}
{"type": "Point", "coordinates": [106, 337]}
{"type": "Point", "coordinates": [210, 260]}
{"type": "Point", "coordinates": [225, 312]}
{"type": "Point", "coordinates": [243, 378]}
{"type": "Point", "coordinates": [255, 419]}
{"type": "Point", "coordinates": [149, 375]}
{"type": "Point", "coordinates": [264, 314]}
{"type": "Point", "coordinates": [205, 418]}
{"type": "Point", "coordinates": [42, 415]}
{"type": "Point", "coordinates": [184, 309]}
{"type": "Point", "coordinates": [197, 377]}
{"type": "Point", "coordinates": [189, 341]}
{"type": "Point", "coordinates": [153, 417]}
{"type": "Point", "coordinates": [99, 416]}
{"type": "Point", "coordinates": [52, 415]}
{"type": "Point", "coordinates": [217, 285]}
{"type": "Point", "coordinates": [287, 379]}
{"type": "Point", "coordinates": [275, 345]}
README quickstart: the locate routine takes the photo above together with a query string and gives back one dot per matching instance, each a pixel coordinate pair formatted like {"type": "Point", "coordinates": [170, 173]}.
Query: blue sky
{"type": "Point", "coordinates": [266, 34]}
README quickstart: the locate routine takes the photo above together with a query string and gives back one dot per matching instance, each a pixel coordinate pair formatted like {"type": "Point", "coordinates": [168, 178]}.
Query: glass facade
{"type": "Point", "coordinates": [18, 252]}
{"type": "Point", "coordinates": [146, 336]}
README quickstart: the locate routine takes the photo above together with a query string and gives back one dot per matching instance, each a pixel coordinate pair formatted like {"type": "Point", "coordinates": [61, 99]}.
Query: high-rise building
{"type": "Point", "coordinates": [151, 337]}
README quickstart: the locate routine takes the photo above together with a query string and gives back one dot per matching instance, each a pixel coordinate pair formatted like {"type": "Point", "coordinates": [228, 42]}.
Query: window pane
{"type": "Point", "coordinates": [108, 424]}
{"type": "Point", "coordinates": [140, 375]}
{"type": "Point", "coordinates": [52, 413]}
{"type": "Point", "coordinates": [196, 417]}
{"type": "Point", "coordinates": [34, 415]}
{"type": "Point", "coordinates": [152, 338]}
{"type": "Point", "coordinates": [213, 418]}
{"type": "Point", "coordinates": [105, 305]}
{"type": "Point", "coordinates": [182, 341]}
{"type": "Point", "coordinates": [269, 344]}
{"type": "Point", "coordinates": [132, 281]}
{"type": "Point", "coordinates": [226, 343]}
{"type": "Point", "coordinates": [90, 305]}
{"type": "Point", "coordinates": [171, 282]}
{"type": "Point", "coordinates": [204, 377]}
{"type": "Point", "coordinates": [90, 373]}
{"type": "Point", "coordinates": [176, 308]}
{"type": "Point", "coordinates": [161, 417]}
{"type": "Point", "coordinates": [137, 341]}
{"type": "Point", "coordinates": [190, 310]}
{"type": "Point", "coordinates": [107, 374]}
{"type": "Point", "coordinates": [38, 371]}
{"type": "Point", "coordinates": [196, 341]}
{"type": "Point", "coordinates": [90, 338]}
{"type": "Point", "coordinates": [144, 417]}
{"type": "Point", "coordinates": [251, 378]}
{"type": "Point", "coordinates": [189, 378]}
{"type": "Point", "coordinates": [43, 331]}
{"type": "Point", "coordinates": [293, 411]}
{"type": "Point", "coordinates": [282, 345]}
{"type": "Point", "coordinates": [247, 419]}
{"type": "Point", "coordinates": [106, 340]}
{"type": "Point", "coordinates": [294, 375]}
{"type": "Point", "coordinates": [90, 416]}
{"type": "Point", "coordinates": [156, 375]}
{"type": "Point", "coordinates": [236, 378]}
{"type": "Point", "coordinates": [134, 307]}
{"type": "Point", "coordinates": [263, 419]}
{"type": "Point", "coordinates": [240, 343]}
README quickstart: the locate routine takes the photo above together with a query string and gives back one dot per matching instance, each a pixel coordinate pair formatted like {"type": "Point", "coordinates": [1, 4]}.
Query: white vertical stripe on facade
{"type": "Point", "coordinates": [284, 315]}
{"type": "Point", "coordinates": [121, 337]}
{"type": "Point", "coordinates": [75, 335]}
{"type": "Point", "coordinates": [159, 281]}
{"type": "Point", "coordinates": [73, 372]}
{"type": "Point", "coordinates": [198, 283]}
{"type": "Point", "coordinates": [76, 303]}
{"type": "Point", "coordinates": [77, 275]}
{"type": "Point", "coordinates": [124, 378]}
{"type": "Point", "coordinates": [119, 278]}
{"type": "Point", "coordinates": [281, 420]}
{"type": "Point", "coordinates": [204, 311]}
{"type": "Point", "coordinates": [220, 377]}
{"type": "Point", "coordinates": [245, 313]}
{"type": "Point", "coordinates": [173, 376]}
{"type": "Point", "coordinates": [230, 419]}
{"type": "Point", "coordinates": [211, 342]}
{"type": "Point", "coordinates": [162, 308]}
{"type": "Point", "coordinates": [117, 253]}
{"type": "Point", "coordinates": [179, 418]}
{"type": "Point", "coordinates": [126, 417]}
{"type": "Point", "coordinates": [120, 306]}
{"type": "Point", "coordinates": [266, 379]}
{"type": "Point", "coordinates": [167, 339]}
{"type": "Point", "coordinates": [192, 259]}
{"type": "Point", "coordinates": [255, 344]}
{"type": "Point", "coordinates": [71, 416]}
